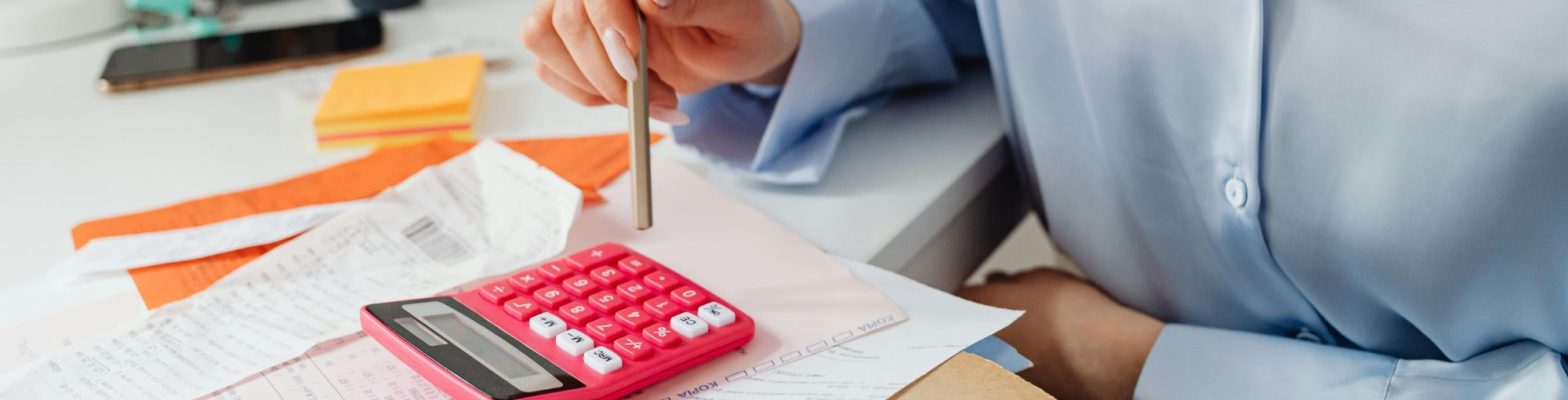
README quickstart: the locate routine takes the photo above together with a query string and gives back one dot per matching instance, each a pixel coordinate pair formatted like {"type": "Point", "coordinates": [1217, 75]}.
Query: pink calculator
{"type": "Point", "coordinates": [598, 324]}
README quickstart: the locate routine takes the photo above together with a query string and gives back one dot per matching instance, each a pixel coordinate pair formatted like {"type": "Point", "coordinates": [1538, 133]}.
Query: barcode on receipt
{"type": "Point", "coordinates": [435, 242]}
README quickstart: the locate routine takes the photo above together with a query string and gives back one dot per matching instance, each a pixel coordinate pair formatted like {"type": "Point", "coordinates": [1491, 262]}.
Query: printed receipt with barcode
{"type": "Point", "coordinates": [433, 232]}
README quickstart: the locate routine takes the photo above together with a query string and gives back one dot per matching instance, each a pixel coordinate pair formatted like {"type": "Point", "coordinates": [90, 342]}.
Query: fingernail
{"type": "Point", "coordinates": [669, 115]}
{"type": "Point", "coordinates": [663, 3]}
{"type": "Point", "coordinates": [620, 58]}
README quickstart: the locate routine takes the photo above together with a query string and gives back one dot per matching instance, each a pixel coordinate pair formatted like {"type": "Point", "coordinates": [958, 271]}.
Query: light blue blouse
{"type": "Point", "coordinates": [1326, 199]}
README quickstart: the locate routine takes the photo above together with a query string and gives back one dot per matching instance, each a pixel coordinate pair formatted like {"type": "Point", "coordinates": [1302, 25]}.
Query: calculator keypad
{"type": "Point", "coordinates": [605, 304]}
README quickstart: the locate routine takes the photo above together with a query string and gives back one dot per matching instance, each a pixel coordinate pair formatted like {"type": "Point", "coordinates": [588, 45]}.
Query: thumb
{"type": "Point", "coordinates": [718, 15]}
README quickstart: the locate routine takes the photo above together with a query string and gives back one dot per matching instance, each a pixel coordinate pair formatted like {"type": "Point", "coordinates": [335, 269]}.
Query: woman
{"type": "Point", "coordinates": [1317, 199]}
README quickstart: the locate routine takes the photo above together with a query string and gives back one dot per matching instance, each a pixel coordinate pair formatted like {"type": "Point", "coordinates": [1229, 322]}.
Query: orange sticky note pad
{"type": "Point", "coordinates": [402, 103]}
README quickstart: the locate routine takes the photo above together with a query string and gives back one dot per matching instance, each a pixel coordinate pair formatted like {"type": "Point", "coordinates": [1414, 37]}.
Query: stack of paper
{"type": "Point", "coordinates": [807, 306]}
{"type": "Point", "coordinates": [402, 103]}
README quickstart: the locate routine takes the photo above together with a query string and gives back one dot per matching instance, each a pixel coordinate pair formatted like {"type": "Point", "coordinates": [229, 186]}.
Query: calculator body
{"type": "Point", "coordinates": [597, 324]}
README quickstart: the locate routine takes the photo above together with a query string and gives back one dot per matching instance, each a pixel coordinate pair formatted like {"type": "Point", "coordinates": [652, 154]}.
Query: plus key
{"type": "Point", "coordinates": [633, 347]}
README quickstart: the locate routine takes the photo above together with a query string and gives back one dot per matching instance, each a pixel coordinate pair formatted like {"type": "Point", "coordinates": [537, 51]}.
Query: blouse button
{"type": "Point", "coordinates": [1236, 192]}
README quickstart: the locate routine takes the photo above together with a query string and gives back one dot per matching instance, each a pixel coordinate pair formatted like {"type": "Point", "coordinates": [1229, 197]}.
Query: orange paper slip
{"type": "Point", "coordinates": [587, 162]}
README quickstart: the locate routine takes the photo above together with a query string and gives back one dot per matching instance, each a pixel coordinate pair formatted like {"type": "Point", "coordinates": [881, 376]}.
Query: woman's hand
{"type": "Point", "coordinates": [587, 48]}
{"type": "Point", "coordinates": [1084, 345]}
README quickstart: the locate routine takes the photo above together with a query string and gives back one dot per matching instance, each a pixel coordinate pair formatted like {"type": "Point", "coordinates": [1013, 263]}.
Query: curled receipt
{"type": "Point", "coordinates": [120, 253]}
{"type": "Point", "coordinates": [437, 230]}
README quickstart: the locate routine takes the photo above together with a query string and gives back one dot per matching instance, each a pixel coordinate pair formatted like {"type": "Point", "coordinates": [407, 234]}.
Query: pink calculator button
{"type": "Point", "coordinates": [551, 296]}
{"type": "Point", "coordinates": [576, 313]}
{"type": "Point", "coordinates": [521, 308]}
{"type": "Point", "coordinates": [633, 347]}
{"type": "Point", "coordinates": [691, 298]}
{"type": "Point", "coordinates": [554, 271]}
{"type": "Point", "coordinates": [662, 307]}
{"type": "Point", "coordinates": [603, 330]}
{"type": "Point", "coordinates": [596, 256]}
{"type": "Point", "coordinates": [636, 265]}
{"type": "Point", "coordinates": [633, 317]}
{"type": "Point", "coordinates": [607, 276]}
{"type": "Point", "coordinates": [579, 285]}
{"type": "Point", "coordinates": [634, 291]}
{"type": "Point", "coordinates": [606, 302]}
{"type": "Point", "coordinates": [497, 292]}
{"type": "Point", "coordinates": [661, 335]}
{"type": "Point", "coordinates": [527, 280]}
{"type": "Point", "coordinates": [662, 280]}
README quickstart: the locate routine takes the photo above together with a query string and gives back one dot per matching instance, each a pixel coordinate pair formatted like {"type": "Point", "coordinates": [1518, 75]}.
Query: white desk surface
{"type": "Point", "coordinates": [69, 153]}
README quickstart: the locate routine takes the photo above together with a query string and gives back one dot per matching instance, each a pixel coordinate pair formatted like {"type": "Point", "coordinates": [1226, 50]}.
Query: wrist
{"type": "Point", "coordinates": [1106, 348]}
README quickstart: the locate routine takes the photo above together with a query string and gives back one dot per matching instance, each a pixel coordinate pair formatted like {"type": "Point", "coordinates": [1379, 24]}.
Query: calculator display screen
{"type": "Point", "coordinates": [478, 345]}
{"type": "Point", "coordinates": [467, 345]}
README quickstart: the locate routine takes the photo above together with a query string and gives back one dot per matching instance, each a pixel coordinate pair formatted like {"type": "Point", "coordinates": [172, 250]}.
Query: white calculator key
{"type": "Point", "coordinates": [716, 314]}
{"type": "Point", "coordinates": [602, 360]}
{"type": "Point", "coordinates": [573, 342]}
{"type": "Point", "coordinates": [688, 325]}
{"type": "Point", "coordinates": [546, 325]}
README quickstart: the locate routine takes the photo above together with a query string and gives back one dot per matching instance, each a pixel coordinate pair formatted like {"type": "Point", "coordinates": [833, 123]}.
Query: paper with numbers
{"type": "Point", "coordinates": [435, 231]}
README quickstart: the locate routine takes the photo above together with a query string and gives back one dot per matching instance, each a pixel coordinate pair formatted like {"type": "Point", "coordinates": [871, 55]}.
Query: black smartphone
{"type": "Point", "coordinates": [237, 54]}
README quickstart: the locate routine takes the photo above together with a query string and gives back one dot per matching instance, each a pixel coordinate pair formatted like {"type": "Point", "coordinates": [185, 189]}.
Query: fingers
{"type": "Point", "coordinates": [616, 23]}
{"type": "Point", "coordinates": [662, 102]}
{"type": "Point", "coordinates": [584, 51]}
{"type": "Point", "coordinates": [583, 42]}
{"type": "Point", "coordinates": [568, 89]}
{"type": "Point", "coordinates": [539, 37]}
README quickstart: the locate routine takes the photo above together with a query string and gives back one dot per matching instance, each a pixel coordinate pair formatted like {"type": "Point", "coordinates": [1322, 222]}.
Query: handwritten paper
{"type": "Point", "coordinates": [433, 232]}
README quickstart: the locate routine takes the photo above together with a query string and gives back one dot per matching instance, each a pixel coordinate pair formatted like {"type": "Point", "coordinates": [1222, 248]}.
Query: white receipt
{"type": "Point", "coordinates": [153, 248]}
{"type": "Point", "coordinates": [877, 366]}
{"type": "Point", "coordinates": [437, 230]}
